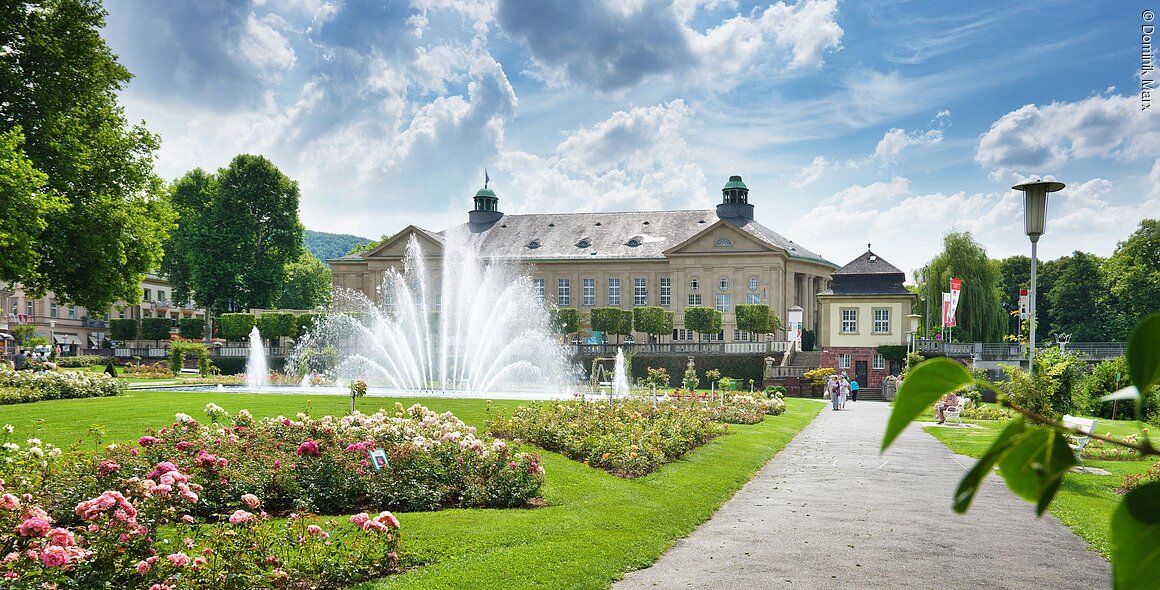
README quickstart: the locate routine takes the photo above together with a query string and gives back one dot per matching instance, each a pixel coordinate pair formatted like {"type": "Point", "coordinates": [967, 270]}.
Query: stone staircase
{"type": "Point", "coordinates": [810, 360]}
{"type": "Point", "coordinates": [870, 394]}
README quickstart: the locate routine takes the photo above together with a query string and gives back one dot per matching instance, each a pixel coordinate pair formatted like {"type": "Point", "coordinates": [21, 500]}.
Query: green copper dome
{"type": "Point", "coordinates": [735, 182]}
{"type": "Point", "coordinates": [485, 192]}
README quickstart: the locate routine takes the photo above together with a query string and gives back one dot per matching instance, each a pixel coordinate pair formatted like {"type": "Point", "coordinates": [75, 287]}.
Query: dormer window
{"type": "Point", "coordinates": [634, 242]}
{"type": "Point", "coordinates": [584, 243]}
{"type": "Point", "coordinates": [873, 258]}
{"type": "Point", "coordinates": [551, 225]}
{"type": "Point", "coordinates": [534, 244]}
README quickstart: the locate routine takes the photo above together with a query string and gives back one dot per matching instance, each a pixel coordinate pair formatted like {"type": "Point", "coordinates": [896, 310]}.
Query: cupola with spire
{"type": "Point", "coordinates": [735, 200]}
{"type": "Point", "coordinates": [486, 205]}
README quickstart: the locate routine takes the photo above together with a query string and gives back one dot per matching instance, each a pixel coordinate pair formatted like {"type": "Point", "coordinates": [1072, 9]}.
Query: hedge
{"type": "Point", "coordinates": [86, 360]}
{"type": "Point", "coordinates": [192, 328]}
{"type": "Point", "coordinates": [235, 326]}
{"type": "Point", "coordinates": [30, 386]}
{"type": "Point", "coordinates": [893, 352]}
{"type": "Point", "coordinates": [123, 329]}
{"type": "Point", "coordinates": [305, 322]}
{"type": "Point", "coordinates": [275, 324]}
{"type": "Point", "coordinates": [233, 365]}
{"type": "Point", "coordinates": [566, 320]}
{"type": "Point", "coordinates": [155, 328]}
{"type": "Point", "coordinates": [741, 367]}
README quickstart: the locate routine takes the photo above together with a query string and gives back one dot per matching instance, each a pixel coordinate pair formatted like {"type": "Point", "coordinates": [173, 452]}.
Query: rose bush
{"type": "Point", "coordinates": [31, 386]}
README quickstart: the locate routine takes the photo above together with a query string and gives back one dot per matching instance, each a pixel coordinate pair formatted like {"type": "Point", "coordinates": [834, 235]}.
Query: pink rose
{"type": "Point", "coordinates": [178, 559]}
{"type": "Point", "coordinates": [34, 527]}
{"type": "Point", "coordinates": [240, 516]}
{"type": "Point", "coordinates": [317, 531]}
{"type": "Point", "coordinates": [147, 441]}
{"type": "Point", "coordinates": [143, 567]}
{"type": "Point", "coordinates": [9, 502]}
{"type": "Point", "coordinates": [359, 519]}
{"type": "Point", "coordinates": [250, 500]}
{"type": "Point", "coordinates": [388, 519]}
{"type": "Point", "coordinates": [62, 537]}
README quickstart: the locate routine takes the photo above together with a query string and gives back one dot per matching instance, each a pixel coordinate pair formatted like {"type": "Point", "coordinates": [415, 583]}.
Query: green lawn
{"type": "Point", "coordinates": [592, 528]}
{"type": "Point", "coordinates": [1085, 501]}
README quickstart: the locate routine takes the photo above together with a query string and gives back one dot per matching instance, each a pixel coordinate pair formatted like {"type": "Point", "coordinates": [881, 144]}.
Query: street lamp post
{"type": "Point", "coordinates": [1034, 224]}
{"type": "Point", "coordinates": [51, 335]}
{"type": "Point", "coordinates": [910, 343]}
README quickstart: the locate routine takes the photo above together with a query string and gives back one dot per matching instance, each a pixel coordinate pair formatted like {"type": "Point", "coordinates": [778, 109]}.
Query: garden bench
{"type": "Point", "coordinates": [1077, 442]}
{"type": "Point", "coordinates": [955, 411]}
{"type": "Point", "coordinates": [193, 372]}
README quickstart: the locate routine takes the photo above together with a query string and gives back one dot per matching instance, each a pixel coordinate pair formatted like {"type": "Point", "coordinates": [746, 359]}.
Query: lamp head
{"type": "Point", "coordinates": [1035, 205]}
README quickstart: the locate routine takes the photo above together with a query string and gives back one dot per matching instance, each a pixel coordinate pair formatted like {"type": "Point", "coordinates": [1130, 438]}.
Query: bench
{"type": "Point", "coordinates": [1077, 441]}
{"type": "Point", "coordinates": [192, 372]}
{"type": "Point", "coordinates": [956, 411]}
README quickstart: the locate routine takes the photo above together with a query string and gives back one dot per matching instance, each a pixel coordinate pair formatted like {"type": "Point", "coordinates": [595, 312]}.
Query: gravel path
{"type": "Point", "coordinates": [830, 512]}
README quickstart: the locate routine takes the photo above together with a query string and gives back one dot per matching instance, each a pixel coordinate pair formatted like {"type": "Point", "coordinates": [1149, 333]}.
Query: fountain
{"type": "Point", "coordinates": [465, 327]}
{"type": "Point", "coordinates": [257, 371]}
{"type": "Point", "coordinates": [619, 377]}
{"type": "Point", "coordinates": [305, 380]}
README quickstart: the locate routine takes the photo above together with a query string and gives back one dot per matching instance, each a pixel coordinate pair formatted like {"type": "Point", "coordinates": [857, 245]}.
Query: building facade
{"type": "Point", "coordinates": [674, 259]}
{"type": "Point", "coordinates": [73, 328]}
{"type": "Point", "coordinates": [867, 306]}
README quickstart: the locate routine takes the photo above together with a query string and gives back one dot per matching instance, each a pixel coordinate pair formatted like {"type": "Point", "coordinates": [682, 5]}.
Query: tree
{"type": "Point", "coordinates": [237, 233]}
{"type": "Point", "coordinates": [757, 319]}
{"type": "Point", "coordinates": [124, 329]}
{"type": "Point", "coordinates": [102, 223]}
{"type": "Point", "coordinates": [703, 320]}
{"type": "Point", "coordinates": [24, 209]}
{"type": "Point", "coordinates": [307, 284]}
{"type": "Point", "coordinates": [650, 319]}
{"type": "Point", "coordinates": [1014, 274]}
{"type": "Point", "coordinates": [235, 326]}
{"type": "Point", "coordinates": [276, 324]}
{"type": "Point", "coordinates": [566, 320]}
{"type": "Point", "coordinates": [22, 331]}
{"type": "Point", "coordinates": [1132, 276]}
{"type": "Point", "coordinates": [368, 246]}
{"type": "Point", "coordinates": [155, 328]}
{"type": "Point", "coordinates": [625, 327]}
{"type": "Point", "coordinates": [606, 320]}
{"type": "Point", "coordinates": [191, 328]}
{"type": "Point", "coordinates": [980, 316]}
{"type": "Point", "coordinates": [1077, 300]}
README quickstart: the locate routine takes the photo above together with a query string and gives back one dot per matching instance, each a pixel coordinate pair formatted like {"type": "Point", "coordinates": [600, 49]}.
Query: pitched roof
{"type": "Point", "coordinates": [868, 263]}
{"type": "Point", "coordinates": [628, 234]}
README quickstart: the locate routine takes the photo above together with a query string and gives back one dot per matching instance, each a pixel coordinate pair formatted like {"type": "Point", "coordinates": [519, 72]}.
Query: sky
{"type": "Point", "coordinates": [889, 123]}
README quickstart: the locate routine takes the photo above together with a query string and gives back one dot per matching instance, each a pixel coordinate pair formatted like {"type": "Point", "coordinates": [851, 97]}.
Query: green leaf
{"type": "Point", "coordinates": [923, 385]}
{"type": "Point", "coordinates": [969, 486]}
{"type": "Point", "coordinates": [1035, 464]}
{"type": "Point", "coordinates": [1144, 353]}
{"type": "Point", "coordinates": [1135, 539]}
{"type": "Point", "coordinates": [1130, 393]}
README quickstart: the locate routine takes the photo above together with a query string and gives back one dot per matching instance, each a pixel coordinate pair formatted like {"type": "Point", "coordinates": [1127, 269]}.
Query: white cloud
{"type": "Point", "coordinates": [812, 172]}
{"type": "Point", "coordinates": [263, 46]}
{"type": "Point", "coordinates": [896, 140]}
{"type": "Point", "coordinates": [1040, 138]}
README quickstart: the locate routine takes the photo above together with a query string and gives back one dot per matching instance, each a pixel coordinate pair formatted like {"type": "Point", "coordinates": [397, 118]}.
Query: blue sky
{"type": "Point", "coordinates": [883, 122]}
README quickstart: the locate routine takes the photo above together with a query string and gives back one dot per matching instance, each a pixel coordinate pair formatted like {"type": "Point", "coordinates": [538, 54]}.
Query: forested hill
{"type": "Point", "coordinates": [326, 245]}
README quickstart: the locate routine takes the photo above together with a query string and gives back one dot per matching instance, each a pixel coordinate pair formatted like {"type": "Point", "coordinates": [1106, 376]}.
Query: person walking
{"type": "Point", "coordinates": [844, 392]}
{"type": "Point", "coordinates": [18, 360]}
{"type": "Point", "coordinates": [854, 390]}
{"type": "Point", "coordinates": [834, 390]}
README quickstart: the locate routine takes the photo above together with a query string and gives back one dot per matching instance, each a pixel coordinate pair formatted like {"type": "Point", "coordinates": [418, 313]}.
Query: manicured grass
{"type": "Point", "coordinates": [1085, 501]}
{"type": "Point", "coordinates": [592, 528]}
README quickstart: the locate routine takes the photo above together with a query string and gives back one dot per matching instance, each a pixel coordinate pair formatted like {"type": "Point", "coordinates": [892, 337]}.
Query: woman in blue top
{"type": "Point", "coordinates": [854, 390]}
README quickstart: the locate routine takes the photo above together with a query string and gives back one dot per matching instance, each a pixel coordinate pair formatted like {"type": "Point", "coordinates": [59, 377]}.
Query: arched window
{"type": "Point", "coordinates": [694, 284]}
{"type": "Point", "coordinates": [723, 284]}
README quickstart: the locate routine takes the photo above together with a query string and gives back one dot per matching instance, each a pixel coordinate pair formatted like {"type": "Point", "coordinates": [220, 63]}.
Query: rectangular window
{"type": "Point", "coordinates": [72, 312]}
{"type": "Point", "coordinates": [389, 301]}
{"type": "Point", "coordinates": [161, 296]}
{"type": "Point", "coordinates": [563, 292]}
{"type": "Point", "coordinates": [739, 336]}
{"type": "Point", "coordinates": [849, 321]}
{"type": "Point", "coordinates": [843, 361]}
{"type": "Point", "coordinates": [538, 284]}
{"type": "Point", "coordinates": [639, 291]}
{"type": "Point", "coordinates": [147, 294]}
{"type": "Point", "coordinates": [725, 303]}
{"type": "Point", "coordinates": [682, 335]}
{"type": "Point", "coordinates": [694, 299]}
{"type": "Point", "coordinates": [614, 291]}
{"type": "Point", "coordinates": [752, 298]}
{"type": "Point", "coordinates": [881, 321]}
{"type": "Point", "coordinates": [666, 291]}
{"type": "Point", "coordinates": [52, 310]}
{"type": "Point", "coordinates": [589, 291]}
{"type": "Point", "coordinates": [28, 309]}
{"type": "Point", "coordinates": [718, 337]}
{"type": "Point", "coordinates": [879, 362]}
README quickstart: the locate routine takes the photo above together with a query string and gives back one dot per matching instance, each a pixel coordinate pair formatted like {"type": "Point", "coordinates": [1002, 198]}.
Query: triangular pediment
{"type": "Point", "coordinates": [396, 246]}
{"type": "Point", "coordinates": [721, 237]}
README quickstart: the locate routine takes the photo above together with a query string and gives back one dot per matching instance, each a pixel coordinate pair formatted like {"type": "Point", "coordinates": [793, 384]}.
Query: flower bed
{"type": "Point", "coordinates": [143, 536]}
{"type": "Point", "coordinates": [629, 438]}
{"type": "Point", "coordinates": [18, 387]}
{"type": "Point", "coordinates": [1098, 449]}
{"type": "Point", "coordinates": [1131, 482]}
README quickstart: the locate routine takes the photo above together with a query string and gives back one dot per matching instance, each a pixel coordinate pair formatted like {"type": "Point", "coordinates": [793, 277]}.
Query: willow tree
{"type": "Point", "coordinates": [980, 316]}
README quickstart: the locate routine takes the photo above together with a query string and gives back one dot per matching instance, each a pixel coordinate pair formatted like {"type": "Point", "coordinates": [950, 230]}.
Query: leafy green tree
{"type": "Point", "coordinates": [192, 328]}
{"type": "Point", "coordinates": [650, 319]}
{"type": "Point", "coordinates": [1046, 277]}
{"type": "Point", "coordinates": [625, 327]}
{"type": "Point", "coordinates": [1014, 274]}
{"type": "Point", "coordinates": [566, 320]}
{"type": "Point", "coordinates": [22, 331]}
{"type": "Point", "coordinates": [1077, 299]}
{"type": "Point", "coordinates": [980, 316]}
{"type": "Point", "coordinates": [24, 210]}
{"type": "Point", "coordinates": [703, 320]}
{"type": "Point", "coordinates": [757, 319]}
{"type": "Point", "coordinates": [307, 285]}
{"type": "Point", "coordinates": [124, 329]}
{"type": "Point", "coordinates": [155, 328]}
{"type": "Point", "coordinates": [276, 324]}
{"type": "Point", "coordinates": [606, 320]}
{"type": "Point", "coordinates": [102, 222]}
{"type": "Point", "coordinates": [236, 246]}
{"type": "Point", "coordinates": [306, 322]}
{"type": "Point", "coordinates": [370, 245]}
{"type": "Point", "coordinates": [189, 196]}
{"type": "Point", "coordinates": [1132, 276]}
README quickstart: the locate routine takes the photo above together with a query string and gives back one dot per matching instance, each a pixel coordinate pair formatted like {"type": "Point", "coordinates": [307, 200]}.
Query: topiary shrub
{"type": "Point", "coordinates": [124, 329]}
{"type": "Point", "coordinates": [235, 326]}
{"type": "Point", "coordinates": [276, 324]}
{"type": "Point", "coordinates": [305, 322]}
{"type": "Point", "coordinates": [155, 328]}
{"type": "Point", "coordinates": [191, 328]}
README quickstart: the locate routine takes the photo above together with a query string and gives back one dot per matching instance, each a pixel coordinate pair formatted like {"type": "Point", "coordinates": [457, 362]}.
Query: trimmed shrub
{"type": "Point", "coordinates": [305, 322]}
{"type": "Point", "coordinates": [703, 320]}
{"type": "Point", "coordinates": [808, 340]}
{"type": "Point", "coordinates": [235, 326]}
{"type": "Point", "coordinates": [650, 319]}
{"type": "Point", "coordinates": [606, 320]}
{"type": "Point", "coordinates": [123, 329]}
{"type": "Point", "coordinates": [191, 328]}
{"type": "Point", "coordinates": [755, 318]}
{"type": "Point", "coordinates": [155, 328]}
{"type": "Point", "coordinates": [893, 352]}
{"type": "Point", "coordinates": [86, 360]}
{"type": "Point", "coordinates": [230, 365]}
{"type": "Point", "coordinates": [566, 320]}
{"type": "Point", "coordinates": [275, 324]}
